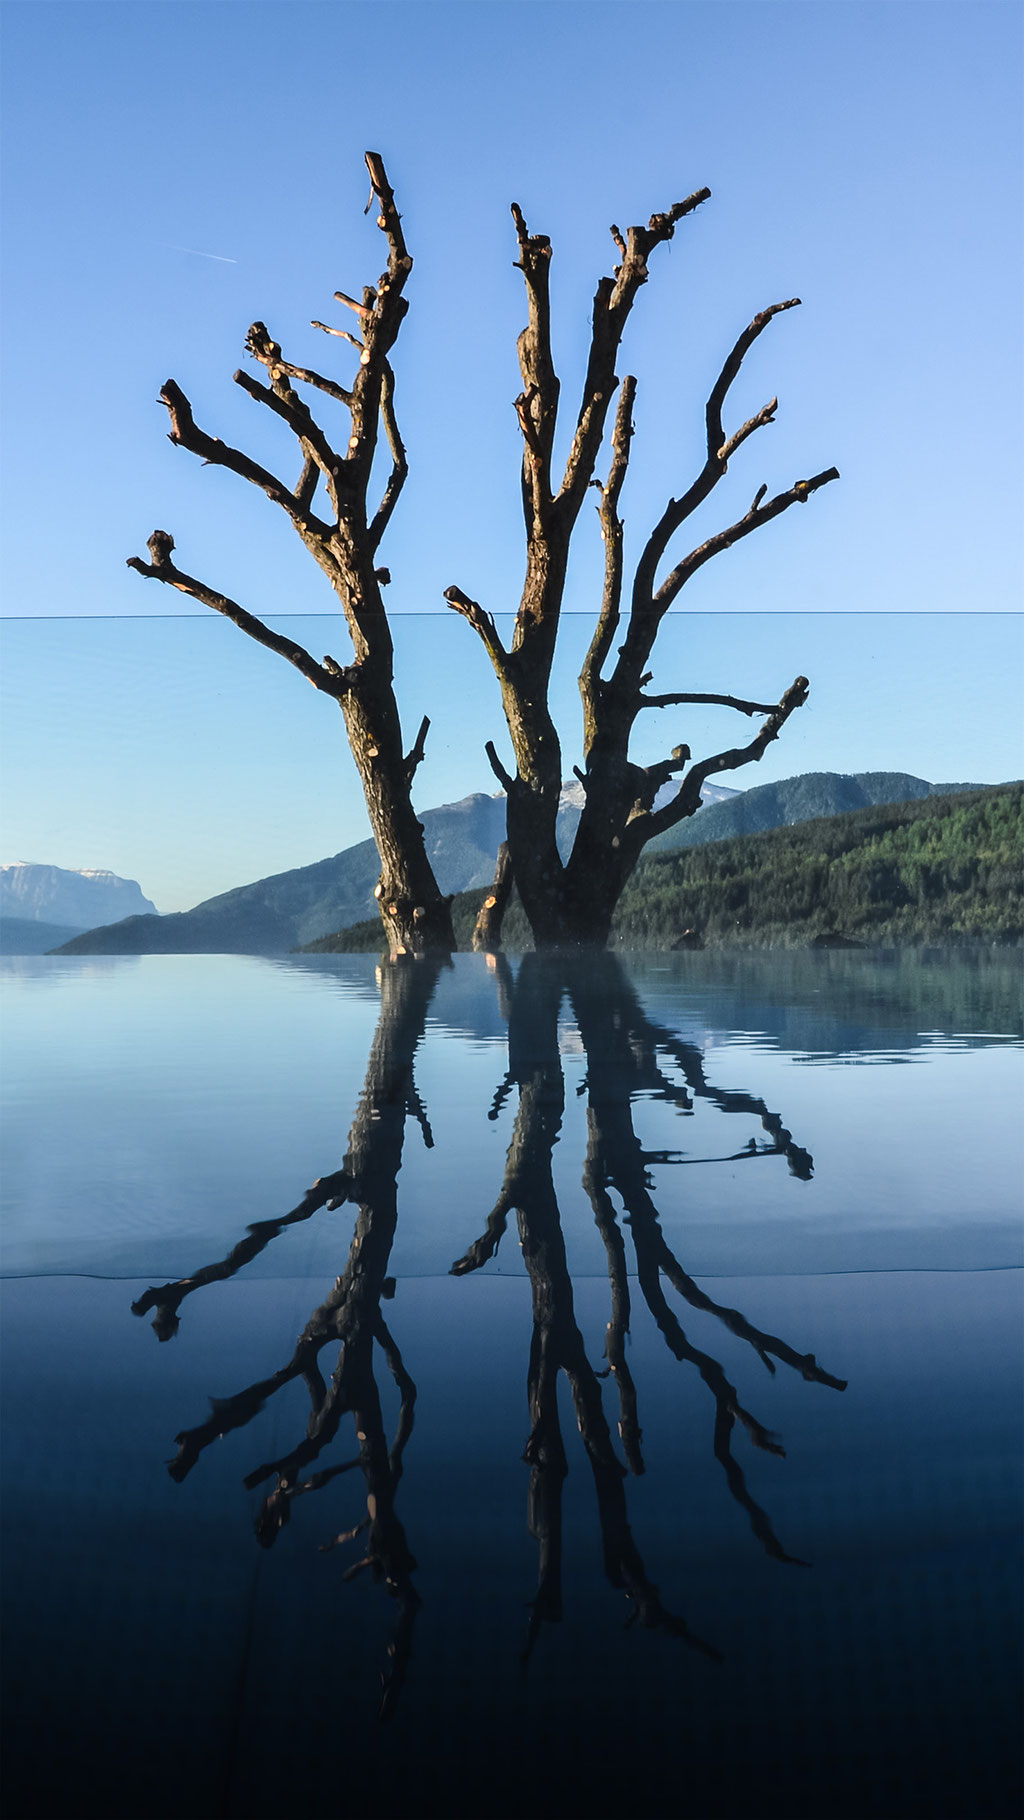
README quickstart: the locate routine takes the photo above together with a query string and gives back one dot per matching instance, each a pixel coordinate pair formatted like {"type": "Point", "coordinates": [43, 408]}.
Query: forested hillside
{"type": "Point", "coordinates": [807, 797]}
{"type": "Point", "coordinates": [275, 914]}
{"type": "Point", "coordinates": [943, 870]}
{"type": "Point", "coordinates": [946, 869]}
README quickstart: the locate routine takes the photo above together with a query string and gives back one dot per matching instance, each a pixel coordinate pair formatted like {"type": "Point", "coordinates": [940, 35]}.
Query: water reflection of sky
{"type": "Point", "coordinates": [154, 1104]}
{"type": "Point", "coordinates": [796, 1486]}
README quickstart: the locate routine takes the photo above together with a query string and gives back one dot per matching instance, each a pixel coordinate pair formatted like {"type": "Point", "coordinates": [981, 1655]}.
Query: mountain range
{"type": "Point", "coordinates": [798, 799]}
{"type": "Point", "coordinates": [275, 915]}
{"type": "Point", "coordinates": [53, 894]}
{"type": "Point", "coordinates": [42, 905]}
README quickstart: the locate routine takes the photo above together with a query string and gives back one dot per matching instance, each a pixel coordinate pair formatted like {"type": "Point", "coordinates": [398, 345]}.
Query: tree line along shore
{"type": "Point", "coordinates": [945, 870]}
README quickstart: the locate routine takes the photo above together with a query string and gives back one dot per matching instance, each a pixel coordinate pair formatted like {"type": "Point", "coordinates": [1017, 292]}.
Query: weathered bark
{"type": "Point", "coordinates": [343, 540]}
{"type": "Point", "coordinates": [565, 903]}
{"type": "Point", "coordinates": [487, 928]}
{"type": "Point", "coordinates": [573, 903]}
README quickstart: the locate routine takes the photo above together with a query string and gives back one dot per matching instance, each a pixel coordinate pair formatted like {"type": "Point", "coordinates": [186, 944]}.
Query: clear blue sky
{"type": "Point", "coordinates": [173, 171]}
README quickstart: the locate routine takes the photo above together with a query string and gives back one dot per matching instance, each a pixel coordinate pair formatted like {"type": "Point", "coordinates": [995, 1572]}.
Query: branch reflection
{"type": "Point", "coordinates": [622, 1048]}
{"type": "Point", "coordinates": [349, 1317]}
{"type": "Point", "coordinates": [627, 1054]}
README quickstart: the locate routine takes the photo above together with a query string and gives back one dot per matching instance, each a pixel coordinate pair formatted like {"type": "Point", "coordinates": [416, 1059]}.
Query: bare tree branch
{"type": "Point", "coordinates": [688, 799]}
{"type": "Point", "coordinates": [185, 433]}
{"type": "Point", "coordinates": [363, 310]}
{"type": "Point", "coordinates": [307, 377]}
{"type": "Point", "coordinates": [415, 756]}
{"type": "Point", "coordinates": [342, 334]}
{"type": "Point", "coordinates": [717, 444]}
{"type": "Point", "coordinates": [765, 415]}
{"type": "Point", "coordinates": [482, 624]}
{"type": "Point", "coordinates": [550, 522]}
{"type": "Point", "coordinates": [508, 783]}
{"type": "Point", "coordinates": [716, 701]}
{"type": "Point", "coordinates": [306, 485]}
{"type": "Point", "coordinates": [381, 314]}
{"type": "Point", "coordinates": [611, 531]}
{"type": "Point", "coordinates": [612, 304]}
{"type": "Point", "coordinates": [647, 614]}
{"type": "Point", "coordinates": [798, 494]}
{"type": "Point", "coordinates": [399, 462]}
{"type": "Point", "coordinates": [658, 774]}
{"type": "Point", "coordinates": [719, 449]}
{"type": "Point", "coordinates": [261, 345]}
{"type": "Point", "coordinates": [162, 568]}
{"type": "Point", "coordinates": [289, 407]}
{"type": "Point", "coordinates": [538, 405]}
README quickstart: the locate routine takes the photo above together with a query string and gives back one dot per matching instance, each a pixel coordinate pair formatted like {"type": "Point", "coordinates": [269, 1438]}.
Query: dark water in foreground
{"type": "Point", "coordinates": [700, 1211]}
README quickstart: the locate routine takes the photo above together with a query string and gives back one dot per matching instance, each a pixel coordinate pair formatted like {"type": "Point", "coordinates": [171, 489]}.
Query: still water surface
{"type": "Point", "coordinates": [627, 1420]}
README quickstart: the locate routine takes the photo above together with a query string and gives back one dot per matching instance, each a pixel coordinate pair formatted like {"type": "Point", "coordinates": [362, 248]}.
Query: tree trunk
{"type": "Point", "coordinates": [416, 915]}
{"type": "Point", "coordinates": [573, 904]}
{"type": "Point", "coordinates": [487, 929]}
{"type": "Point", "coordinates": [328, 508]}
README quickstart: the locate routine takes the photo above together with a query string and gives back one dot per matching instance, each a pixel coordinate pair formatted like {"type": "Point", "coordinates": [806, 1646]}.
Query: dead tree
{"type": "Point", "coordinates": [574, 902]}
{"type": "Point", "coordinates": [329, 508]}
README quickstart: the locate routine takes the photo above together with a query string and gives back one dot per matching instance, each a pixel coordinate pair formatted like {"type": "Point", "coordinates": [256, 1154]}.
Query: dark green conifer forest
{"type": "Point", "coordinates": [945, 870]}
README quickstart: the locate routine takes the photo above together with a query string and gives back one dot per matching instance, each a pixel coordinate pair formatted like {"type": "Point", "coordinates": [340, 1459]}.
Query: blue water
{"type": "Point", "coordinates": [808, 1162]}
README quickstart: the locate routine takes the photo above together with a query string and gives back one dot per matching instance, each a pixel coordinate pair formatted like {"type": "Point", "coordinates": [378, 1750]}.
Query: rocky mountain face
{"type": "Point", "coordinates": [798, 799]}
{"type": "Point", "coordinates": [79, 900]}
{"type": "Point", "coordinates": [275, 915]}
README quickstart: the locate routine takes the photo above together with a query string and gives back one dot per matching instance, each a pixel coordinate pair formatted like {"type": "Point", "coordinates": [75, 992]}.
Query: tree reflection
{"type": "Point", "coordinates": [350, 1317]}
{"type": "Point", "coordinates": [626, 1054]}
{"type": "Point", "coordinates": [622, 1048]}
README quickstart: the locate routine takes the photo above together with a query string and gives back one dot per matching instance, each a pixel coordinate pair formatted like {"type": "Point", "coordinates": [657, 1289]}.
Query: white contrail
{"type": "Point", "coordinates": [221, 257]}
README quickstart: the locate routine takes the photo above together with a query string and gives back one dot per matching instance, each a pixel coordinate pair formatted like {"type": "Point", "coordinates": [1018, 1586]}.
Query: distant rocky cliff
{"type": "Point", "coordinates": [276, 914]}
{"type": "Point", "coordinates": [79, 900]}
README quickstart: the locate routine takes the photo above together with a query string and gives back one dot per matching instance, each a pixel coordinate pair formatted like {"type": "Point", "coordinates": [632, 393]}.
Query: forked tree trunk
{"type": "Point", "coordinates": [328, 508]}
{"type": "Point", "coordinates": [573, 902]}
{"type": "Point", "coordinates": [568, 903]}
